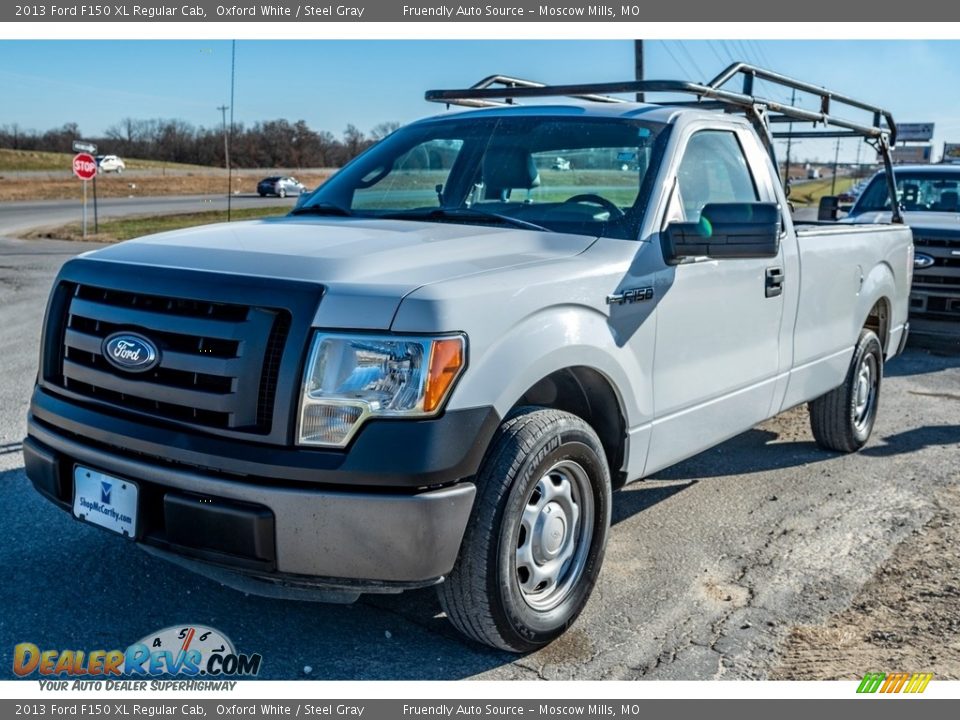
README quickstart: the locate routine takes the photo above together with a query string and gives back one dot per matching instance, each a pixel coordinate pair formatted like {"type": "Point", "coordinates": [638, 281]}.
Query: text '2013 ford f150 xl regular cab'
{"type": "Point", "coordinates": [436, 369]}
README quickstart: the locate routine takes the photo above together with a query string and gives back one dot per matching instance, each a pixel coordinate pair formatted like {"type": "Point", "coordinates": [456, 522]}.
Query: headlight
{"type": "Point", "coordinates": [352, 377]}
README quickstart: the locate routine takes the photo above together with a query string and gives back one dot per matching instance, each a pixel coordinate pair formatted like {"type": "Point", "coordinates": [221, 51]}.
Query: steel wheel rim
{"type": "Point", "coordinates": [554, 535]}
{"type": "Point", "coordinates": [865, 392]}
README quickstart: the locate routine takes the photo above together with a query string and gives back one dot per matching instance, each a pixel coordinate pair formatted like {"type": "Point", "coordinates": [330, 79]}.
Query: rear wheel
{"type": "Point", "coordinates": [843, 419]}
{"type": "Point", "coordinates": [530, 557]}
{"type": "Point", "coordinates": [282, 193]}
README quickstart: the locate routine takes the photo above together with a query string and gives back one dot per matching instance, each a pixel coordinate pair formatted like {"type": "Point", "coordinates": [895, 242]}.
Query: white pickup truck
{"type": "Point", "coordinates": [436, 369]}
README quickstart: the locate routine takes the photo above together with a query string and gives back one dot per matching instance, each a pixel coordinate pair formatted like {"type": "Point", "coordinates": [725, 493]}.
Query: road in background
{"type": "Point", "coordinates": [708, 566]}
{"type": "Point", "coordinates": [134, 174]}
{"type": "Point", "coordinates": [17, 217]}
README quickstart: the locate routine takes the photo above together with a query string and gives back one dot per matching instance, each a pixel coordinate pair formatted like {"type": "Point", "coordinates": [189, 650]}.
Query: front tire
{"type": "Point", "coordinates": [843, 419]}
{"type": "Point", "coordinates": [531, 555]}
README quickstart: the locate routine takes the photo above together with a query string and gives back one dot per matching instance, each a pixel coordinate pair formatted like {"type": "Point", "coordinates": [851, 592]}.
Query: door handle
{"type": "Point", "coordinates": [773, 283]}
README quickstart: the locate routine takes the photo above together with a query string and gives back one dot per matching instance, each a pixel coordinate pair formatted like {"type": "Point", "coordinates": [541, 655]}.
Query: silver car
{"type": "Point", "coordinates": [281, 186]}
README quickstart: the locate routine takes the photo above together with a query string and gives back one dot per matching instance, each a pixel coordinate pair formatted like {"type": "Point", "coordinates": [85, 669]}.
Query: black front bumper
{"type": "Point", "coordinates": [386, 514]}
{"type": "Point", "coordinates": [384, 454]}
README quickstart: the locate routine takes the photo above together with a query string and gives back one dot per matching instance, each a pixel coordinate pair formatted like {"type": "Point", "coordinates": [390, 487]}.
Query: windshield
{"type": "Point", "coordinates": [575, 175]}
{"type": "Point", "coordinates": [916, 191]}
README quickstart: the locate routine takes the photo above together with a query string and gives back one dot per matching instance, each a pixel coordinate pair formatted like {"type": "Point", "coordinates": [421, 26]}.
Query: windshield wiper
{"type": "Point", "coordinates": [441, 214]}
{"type": "Point", "coordinates": [321, 208]}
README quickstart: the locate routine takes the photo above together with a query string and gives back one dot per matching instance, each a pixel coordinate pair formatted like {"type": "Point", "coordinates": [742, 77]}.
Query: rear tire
{"type": "Point", "coordinates": [531, 554]}
{"type": "Point", "coordinates": [282, 193]}
{"type": "Point", "coordinates": [843, 419]}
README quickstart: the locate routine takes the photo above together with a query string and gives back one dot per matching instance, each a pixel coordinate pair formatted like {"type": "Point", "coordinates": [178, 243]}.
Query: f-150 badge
{"type": "Point", "coordinates": [631, 296]}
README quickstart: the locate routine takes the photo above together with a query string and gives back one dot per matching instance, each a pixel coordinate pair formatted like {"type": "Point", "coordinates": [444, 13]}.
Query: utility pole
{"type": "Point", "coordinates": [638, 64]}
{"type": "Point", "coordinates": [233, 74]}
{"type": "Point", "coordinates": [836, 159]}
{"type": "Point", "coordinates": [786, 174]}
{"type": "Point", "coordinates": [226, 145]}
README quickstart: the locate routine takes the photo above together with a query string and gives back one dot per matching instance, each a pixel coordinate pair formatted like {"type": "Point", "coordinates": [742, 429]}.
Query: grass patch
{"type": "Point", "coordinates": [36, 160]}
{"type": "Point", "coordinates": [809, 192]}
{"type": "Point", "coordinates": [119, 229]}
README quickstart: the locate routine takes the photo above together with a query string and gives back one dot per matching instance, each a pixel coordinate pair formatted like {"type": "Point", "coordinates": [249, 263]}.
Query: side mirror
{"type": "Point", "coordinates": [829, 209]}
{"type": "Point", "coordinates": [726, 230]}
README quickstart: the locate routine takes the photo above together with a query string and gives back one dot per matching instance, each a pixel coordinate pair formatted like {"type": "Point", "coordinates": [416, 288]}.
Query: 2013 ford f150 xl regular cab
{"type": "Point", "coordinates": [436, 369]}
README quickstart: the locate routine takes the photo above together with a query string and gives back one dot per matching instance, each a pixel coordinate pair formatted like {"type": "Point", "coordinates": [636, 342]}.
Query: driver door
{"type": "Point", "coordinates": [717, 348]}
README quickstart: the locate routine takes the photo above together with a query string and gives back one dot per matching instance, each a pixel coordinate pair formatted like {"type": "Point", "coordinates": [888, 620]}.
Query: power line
{"type": "Point", "coordinates": [741, 53]}
{"type": "Point", "coordinates": [673, 57]}
{"type": "Point", "coordinates": [715, 52]}
{"type": "Point", "coordinates": [226, 146]}
{"type": "Point", "coordinates": [233, 74]}
{"type": "Point", "coordinates": [754, 58]}
{"type": "Point", "coordinates": [693, 62]}
{"type": "Point", "coordinates": [762, 54]}
{"type": "Point", "coordinates": [726, 48]}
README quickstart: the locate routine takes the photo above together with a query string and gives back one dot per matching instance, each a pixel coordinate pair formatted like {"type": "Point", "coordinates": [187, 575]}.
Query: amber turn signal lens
{"type": "Point", "coordinates": [446, 360]}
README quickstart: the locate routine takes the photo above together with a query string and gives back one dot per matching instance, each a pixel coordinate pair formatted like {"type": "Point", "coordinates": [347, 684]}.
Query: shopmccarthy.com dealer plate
{"type": "Point", "coordinates": [104, 500]}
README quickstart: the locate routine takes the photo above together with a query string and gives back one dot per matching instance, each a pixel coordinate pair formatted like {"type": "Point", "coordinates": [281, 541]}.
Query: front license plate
{"type": "Point", "coordinates": [104, 500]}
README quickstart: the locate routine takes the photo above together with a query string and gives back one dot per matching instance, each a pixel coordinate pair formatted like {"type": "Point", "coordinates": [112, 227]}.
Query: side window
{"type": "Point", "coordinates": [714, 170]}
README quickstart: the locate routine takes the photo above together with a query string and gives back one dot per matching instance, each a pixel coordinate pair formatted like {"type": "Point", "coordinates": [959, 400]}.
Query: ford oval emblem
{"type": "Point", "coordinates": [130, 352]}
{"type": "Point", "coordinates": [921, 260]}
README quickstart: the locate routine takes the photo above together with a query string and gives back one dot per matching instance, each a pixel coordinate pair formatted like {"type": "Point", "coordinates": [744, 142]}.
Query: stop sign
{"type": "Point", "coordinates": [84, 166]}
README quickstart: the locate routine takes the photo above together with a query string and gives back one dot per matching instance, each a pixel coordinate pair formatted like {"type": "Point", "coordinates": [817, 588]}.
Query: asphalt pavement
{"type": "Point", "coordinates": [708, 564]}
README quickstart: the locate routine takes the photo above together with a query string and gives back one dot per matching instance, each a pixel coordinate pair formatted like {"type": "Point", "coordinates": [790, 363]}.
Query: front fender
{"type": "Point", "coordinates": [551, 340]}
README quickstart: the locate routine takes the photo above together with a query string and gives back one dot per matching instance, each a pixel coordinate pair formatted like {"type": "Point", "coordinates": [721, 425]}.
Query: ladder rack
{"type": "Point", "coordinates": [880, 132]}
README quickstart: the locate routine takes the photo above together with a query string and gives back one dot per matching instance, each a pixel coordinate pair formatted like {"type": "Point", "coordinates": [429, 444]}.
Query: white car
{"type": "Point", "coordinates": [110, 163]}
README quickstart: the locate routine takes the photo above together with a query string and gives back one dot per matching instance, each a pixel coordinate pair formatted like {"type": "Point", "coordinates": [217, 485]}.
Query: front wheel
{"type": "Point", "coordinates": [843, 419]}
{"type": "Point", "coordinates": [531, 555]}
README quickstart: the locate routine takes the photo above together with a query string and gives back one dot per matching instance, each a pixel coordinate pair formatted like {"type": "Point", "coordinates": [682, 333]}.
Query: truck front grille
{"type": "Point", "coordinates": [218, 361]}
{"type": "Point", "coordinates": [944, 274]}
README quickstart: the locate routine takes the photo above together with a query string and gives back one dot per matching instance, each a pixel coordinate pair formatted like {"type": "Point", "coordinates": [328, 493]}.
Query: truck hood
{"type": "Point", "coordinates": [915, 219]}
{"type": "Point", "coordinates": [367, 266]}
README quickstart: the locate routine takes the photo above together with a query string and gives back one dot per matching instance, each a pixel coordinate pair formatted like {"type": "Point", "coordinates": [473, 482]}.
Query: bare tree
{"type": "Point", "coordinates": [381, 130]}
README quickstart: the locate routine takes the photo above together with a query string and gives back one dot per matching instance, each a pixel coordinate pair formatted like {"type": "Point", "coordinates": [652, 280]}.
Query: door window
{"type": "Point", "coordinates": [714, 170]}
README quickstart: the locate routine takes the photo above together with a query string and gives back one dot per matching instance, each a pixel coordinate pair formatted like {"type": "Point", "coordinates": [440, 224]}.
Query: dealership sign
{"type": "Point", "coordinates": [912, 153]}
{"type": "Point", "coordinates": [914, 132]}
{"type": "Point", "coordinates": [84, 166]}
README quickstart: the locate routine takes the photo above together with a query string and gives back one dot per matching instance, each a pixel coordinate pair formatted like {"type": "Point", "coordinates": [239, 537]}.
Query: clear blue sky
{"type": "Point", "coordinates": [46, 83]}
